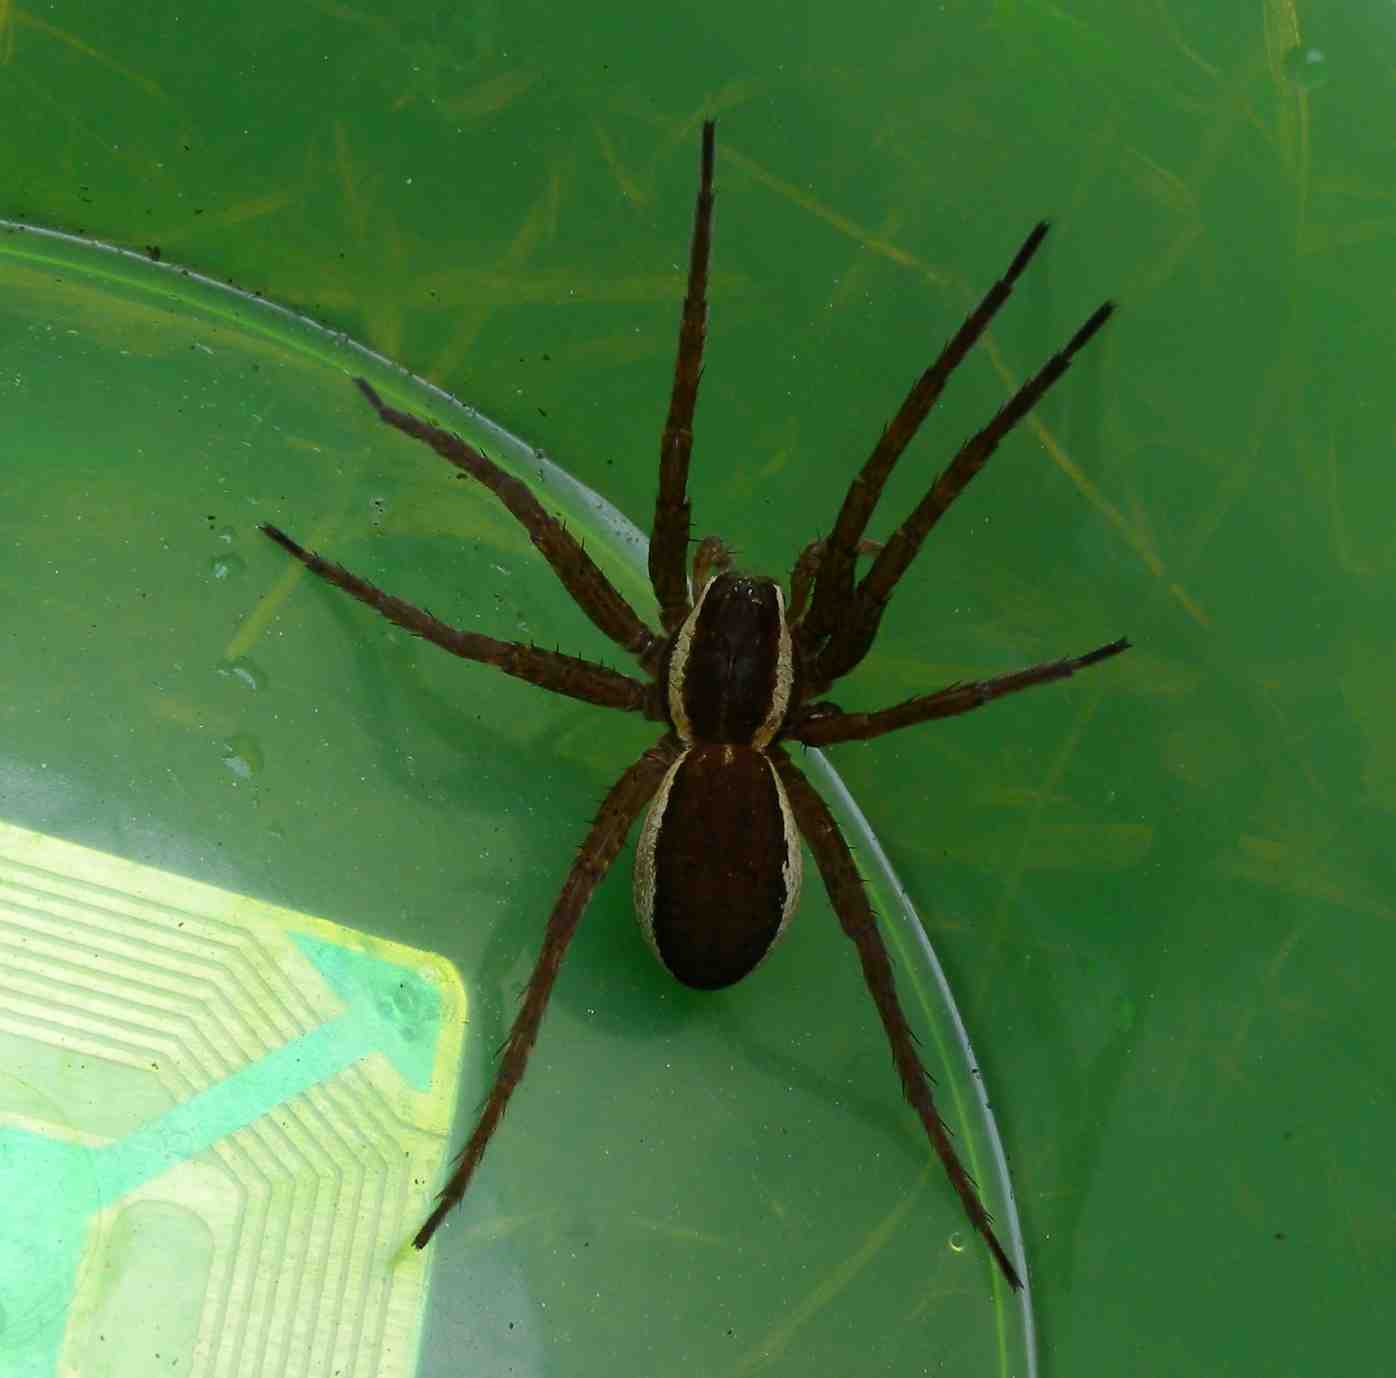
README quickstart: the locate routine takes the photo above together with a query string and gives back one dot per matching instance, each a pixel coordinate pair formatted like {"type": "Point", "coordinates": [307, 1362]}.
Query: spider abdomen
{"type": "Point", "coordinates": [717, 870]}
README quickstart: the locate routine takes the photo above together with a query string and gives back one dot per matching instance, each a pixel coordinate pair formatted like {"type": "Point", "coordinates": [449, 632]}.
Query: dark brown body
{"type": "Point", "coordinates": [717, 871]}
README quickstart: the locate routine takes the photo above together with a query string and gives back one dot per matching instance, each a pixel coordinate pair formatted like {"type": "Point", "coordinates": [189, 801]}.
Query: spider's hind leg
{"type": "Point", "coordinates": [603, 842]}
{"type": "Point", "coordinates": [850, 900]}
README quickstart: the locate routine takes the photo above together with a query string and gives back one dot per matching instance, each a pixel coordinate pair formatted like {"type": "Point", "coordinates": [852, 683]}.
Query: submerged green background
{"type": "Point", "coordinates": [1163, 892]}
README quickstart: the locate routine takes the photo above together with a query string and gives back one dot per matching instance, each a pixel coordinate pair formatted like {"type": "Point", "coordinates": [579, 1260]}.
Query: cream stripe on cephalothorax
{"type": "Point", "coordinates": [783, 676]}
{"type": "Point", "coordinates": [780, 694]}
{"type": "Point", "coordinates": [678, 663]}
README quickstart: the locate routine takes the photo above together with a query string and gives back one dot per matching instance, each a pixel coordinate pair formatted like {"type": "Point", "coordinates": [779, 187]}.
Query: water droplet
{"type": "Point", "coordinates": [242, 755]}
{"type": "Point", "coordinates": [957, 1242]}
{"type": "Point", "coordinates": [246, 672]}
{"type": "Point", "coordinates": [1306, 67]}
{"type": "Point", "coordinates": [226, 566]}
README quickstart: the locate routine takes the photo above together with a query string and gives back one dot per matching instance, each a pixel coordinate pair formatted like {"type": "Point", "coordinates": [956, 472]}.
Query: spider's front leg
{"type": "Point", "coordinates": [850, 901]}
{"type": "Point", "coordinates": [669, 535]}
{"type": "Point", "coordinates": [833, 592]}
{"type": "Point", "coordinates": [861, 616]}
{"type": "Point", "coordinates": [618, 811]}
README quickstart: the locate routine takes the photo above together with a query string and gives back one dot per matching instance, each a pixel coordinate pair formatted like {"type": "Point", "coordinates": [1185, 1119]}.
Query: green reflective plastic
{"type": "Point", "coordinates": [724, 1182]}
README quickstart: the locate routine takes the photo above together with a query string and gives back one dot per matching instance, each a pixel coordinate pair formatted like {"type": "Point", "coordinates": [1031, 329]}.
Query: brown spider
{"type": "Point", "coordinates": [735, 674]}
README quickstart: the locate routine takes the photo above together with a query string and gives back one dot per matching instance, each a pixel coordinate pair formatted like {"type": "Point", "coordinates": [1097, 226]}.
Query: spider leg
{"type": "Point", "coordinates": [618, 811]}
{"type": "Point", "coordinates": [592, 591]}
{"type": "Point", "coordinates": [669, 537]}
{"type": "Point", "coordinates": [563, 674]}
{"type": "Point", "coordinates": [829, 725]}
{"type": "Point", "coordinates": [854, 635]}
{"type": "Point", "coordinates": [834, 589]}
{"type": "Point", "coordinates": [850, 901]}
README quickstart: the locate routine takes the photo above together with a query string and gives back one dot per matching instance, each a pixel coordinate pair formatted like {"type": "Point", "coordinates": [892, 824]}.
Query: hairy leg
{"type": "Point", "coordinates": [850, 901]}
{"type": "Point", "coordinates": [592, 591]}
{"type": "Point", "coordinates": [825, 724]}
{"type": "Point", "coordinates": [618, 811]}
{"type": "Point", "coordinates": [834, 588]}
{"type": "Point", "coordinates": [578, 679]}
{"type": "Point", "coordinates": [669, 536]}
{"type": "Point", "coordinates": [852, 638]}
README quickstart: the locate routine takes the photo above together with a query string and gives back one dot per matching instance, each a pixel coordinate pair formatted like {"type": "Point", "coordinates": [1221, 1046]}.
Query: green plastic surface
{"type": "Point", "coordinates": [1163, 894]}
{"type": "Point", "coordinates": [744, 1155]}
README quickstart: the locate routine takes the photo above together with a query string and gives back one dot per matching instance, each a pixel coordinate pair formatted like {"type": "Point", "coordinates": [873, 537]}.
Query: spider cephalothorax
{"type": "Point", "coordinates": [735, 672]}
